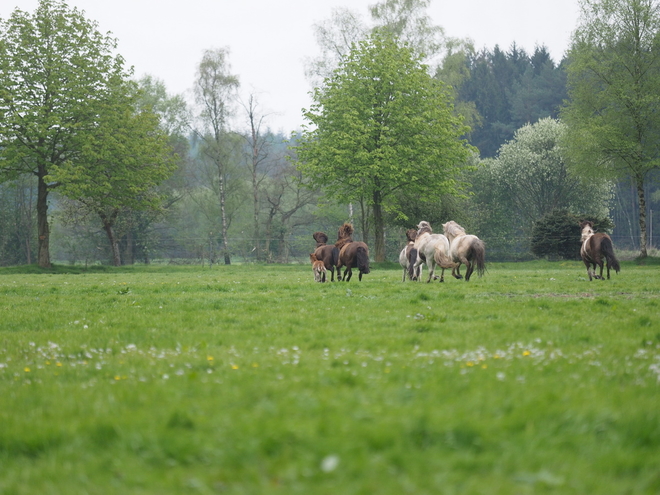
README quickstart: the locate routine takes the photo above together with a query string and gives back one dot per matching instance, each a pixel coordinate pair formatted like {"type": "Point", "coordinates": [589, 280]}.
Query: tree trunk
{"type": "Point", "coordinates": [43, 257]}
{"type": "Point", "coordinates": [223, 214]}
{"type": "Point", "coordinates": [255, 193]}
{"type": "Point", "coordinates": [639, 182]}
{"type": "Point", "coordinates": [379, 231]}
{"type": "Point", "coordinates": [108, 223]}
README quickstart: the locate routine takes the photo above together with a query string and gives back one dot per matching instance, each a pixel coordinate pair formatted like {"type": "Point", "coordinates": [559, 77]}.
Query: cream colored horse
{"type": "Point", "coordinates": [466, 249]}
{"type": "Point", "coordinates": [429, 248]}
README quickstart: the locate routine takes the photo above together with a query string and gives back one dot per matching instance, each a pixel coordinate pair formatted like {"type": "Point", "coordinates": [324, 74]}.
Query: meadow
{"type": "Point", "coordinates": [255, 379]}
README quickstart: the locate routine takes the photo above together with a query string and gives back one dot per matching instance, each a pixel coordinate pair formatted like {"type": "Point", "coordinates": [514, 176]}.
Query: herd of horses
{"type": "Point", "coordinates": [449, 250]}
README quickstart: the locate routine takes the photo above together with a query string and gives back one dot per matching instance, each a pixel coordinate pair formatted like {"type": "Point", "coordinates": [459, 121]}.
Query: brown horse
{"type": "Point", "coordinates": [352, 254]}
{"type": "Point", "coordinates": [328, 254]}
{"type": "Point", "coordinates": [596, 248]}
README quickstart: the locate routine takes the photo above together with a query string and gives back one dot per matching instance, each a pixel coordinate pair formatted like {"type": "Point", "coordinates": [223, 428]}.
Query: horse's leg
{"type": "Point", "coordinates": [442, 274]}
{"type": "Point", "coordinates": [404, 275]}
{"type": "Point", "coordinates": [430, 263]}
{"type": "Point", "coordinates": [588, 265]}
{"type": "Point", "coordinates": [469, 268]}
{"type": "Point", "coordinates": [607, 262]}
{"type": "Point", "coordinates": [332, 274]}
{"type": "Point", "coordinates": [348, 272]}
{"type": "Point", "coordinates": [456, 271]}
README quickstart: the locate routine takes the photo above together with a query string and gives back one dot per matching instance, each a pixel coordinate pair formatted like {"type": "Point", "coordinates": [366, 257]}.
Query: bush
{"type": "Point", "coordinates": [557, 234]}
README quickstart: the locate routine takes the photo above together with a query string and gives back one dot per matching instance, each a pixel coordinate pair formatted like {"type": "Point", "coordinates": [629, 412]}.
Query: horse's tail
{"type": "Point", "coordinates": [478, 252]}
{"type": "Point", "coordinates": [335, 256]}
{"type": "Point", "coordinates": [607, 248]}
{"type": "Point", "coordinates": [412, 259]}
{"type": "Point", "coordinates": [363, 259]}
{"type": "Point", "coordinates": [442, 258]}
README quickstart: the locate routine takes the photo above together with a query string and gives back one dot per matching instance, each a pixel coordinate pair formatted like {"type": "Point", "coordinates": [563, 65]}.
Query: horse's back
{"type": "Point", "coordinates": [324, 253]}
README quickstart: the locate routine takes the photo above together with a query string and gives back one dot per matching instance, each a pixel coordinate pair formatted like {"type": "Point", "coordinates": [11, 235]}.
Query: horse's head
{"type": "Point", "coordinates": [452, 229]}
{"type": "Point", "coordinates": [320, 237]}
{"type": "Point", "coordinates": [411, 235]}
{"type": "Point", "coordinates": [313, 258]}
{"type": "Point", "coordinates": [424, 226]}
{"type": "Point", "coordinates": [587, 230]}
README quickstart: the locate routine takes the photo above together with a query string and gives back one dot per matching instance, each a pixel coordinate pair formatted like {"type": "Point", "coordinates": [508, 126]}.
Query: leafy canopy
{"type": "Point", "coordinates": [381, 124]}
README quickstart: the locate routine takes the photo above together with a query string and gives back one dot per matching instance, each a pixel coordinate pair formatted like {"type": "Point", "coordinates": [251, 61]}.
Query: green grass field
{"type": "Point", "coordinates": [254, 379]}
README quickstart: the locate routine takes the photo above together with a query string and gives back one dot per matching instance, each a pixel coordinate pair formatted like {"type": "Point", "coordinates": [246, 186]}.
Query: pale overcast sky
{"type": "Point", "coordinates": [270, 39]}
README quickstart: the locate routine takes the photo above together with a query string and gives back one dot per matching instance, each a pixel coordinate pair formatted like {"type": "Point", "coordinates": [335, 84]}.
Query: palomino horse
{"type": "Point", "coordinates": [429, 248]}
{"type": "Point", "coordinates": [328, 254]}
{"type": "Point", "coordinates": [466, 249]}
{"type": "Point", "coordinates": [404, 256]}
{"type": "Point", "coordinates": [595, 248]}
{"type": "Point", "coordinates": [318, 268]}
{"type": "Point", "coordinates": [352, 254]}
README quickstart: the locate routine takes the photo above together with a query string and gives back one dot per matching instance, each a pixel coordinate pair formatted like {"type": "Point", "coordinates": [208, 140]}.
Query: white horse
{"type": "Point", "coordinates": [404, 256]}
{"type": "Point", "coordinates": [466, 249]}
{"type": "Point", "coordinates": [432, 249]}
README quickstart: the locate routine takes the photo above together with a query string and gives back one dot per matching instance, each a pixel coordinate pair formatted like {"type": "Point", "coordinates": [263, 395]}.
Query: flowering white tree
{"type": "Point", "coordinates": [533, 172]}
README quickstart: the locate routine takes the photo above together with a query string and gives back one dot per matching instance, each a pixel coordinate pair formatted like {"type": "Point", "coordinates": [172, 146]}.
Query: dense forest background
{"type": "Point", "coordinates": [268, 211]}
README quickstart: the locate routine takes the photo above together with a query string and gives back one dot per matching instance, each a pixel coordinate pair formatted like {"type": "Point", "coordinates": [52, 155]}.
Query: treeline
{"type": "Point", "coordinates": [142, 175]}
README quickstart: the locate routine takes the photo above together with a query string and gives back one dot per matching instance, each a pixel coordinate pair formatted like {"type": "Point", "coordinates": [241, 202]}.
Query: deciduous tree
{"type": "Point", "coordinates": [614, 88]}
{"type": "Point", "coordinates": [214, 92]}
{"type": "Point", "coordinates": [381, 125]}
{"type": "Point", "coordinates": [119, 166]}
{"type": "Point", "coordinates": [56, 72]}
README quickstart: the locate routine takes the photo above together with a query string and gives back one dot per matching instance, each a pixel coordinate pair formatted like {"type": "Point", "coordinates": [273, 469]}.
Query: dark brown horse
{"type": "Point", "coordinates": [352, 254]}
{"type": "Point", "coordinates": [328, 254]}
{"type": "Point", "coordinates": [596, 249]}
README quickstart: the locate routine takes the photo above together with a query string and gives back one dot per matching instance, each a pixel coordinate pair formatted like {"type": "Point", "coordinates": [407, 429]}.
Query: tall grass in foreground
{"type": "Point", "coordinates": [255, 379]}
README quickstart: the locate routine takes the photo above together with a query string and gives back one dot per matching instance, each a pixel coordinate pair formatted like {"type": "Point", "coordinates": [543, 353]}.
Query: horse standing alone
{"type": "Point", "coordinates": [595, 248]}
{"type": "Point", "coordinates": [352, 254]}
{"type": "Point", "coordinates": [466, 249]}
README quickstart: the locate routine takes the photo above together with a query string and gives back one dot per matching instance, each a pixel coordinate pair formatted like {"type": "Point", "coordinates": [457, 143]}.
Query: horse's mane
{"type": "Point", "coordinates": [411, 235]}
{"type": "Point", "coordinates": [320, 238]}
{"type": "Point", "coordinates": [344, 235]}
{"type": "Point", "coordinates": [424, 226]}
{"type": "Point", "coordinates": [453, 229]}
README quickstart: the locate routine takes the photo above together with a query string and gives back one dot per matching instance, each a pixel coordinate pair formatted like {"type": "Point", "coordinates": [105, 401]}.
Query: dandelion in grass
{"type": "Point", "coordinates": [234, 366]}
{"type": "Point", "coordinates": [26, 369]}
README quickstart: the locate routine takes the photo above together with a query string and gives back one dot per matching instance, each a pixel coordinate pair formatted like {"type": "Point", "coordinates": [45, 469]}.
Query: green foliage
{"type": "Point", "coordinates": [508, 90]}
{"type": "Point", "coordinates": [241, 379]}
{"type": "Point", "coordinates": [614, 88]}
{"type": "Point", "coordinates": [557, 234]}
{"type": "Point", "coordinates": [381, 125]}
{"type": "Point", "coordinates": [57, 75]}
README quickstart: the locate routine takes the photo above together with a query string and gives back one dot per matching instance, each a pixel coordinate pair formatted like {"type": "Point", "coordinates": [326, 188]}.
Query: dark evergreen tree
{"type": "Point", "coordinates": [509, 90]}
